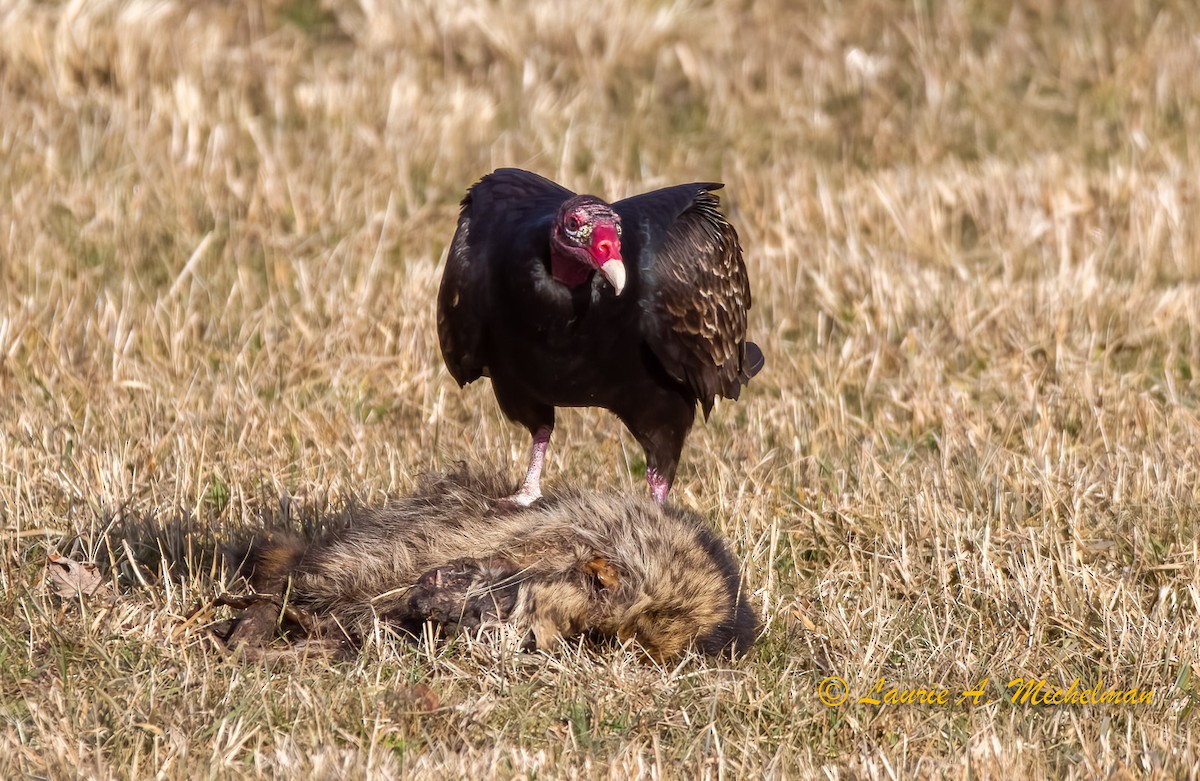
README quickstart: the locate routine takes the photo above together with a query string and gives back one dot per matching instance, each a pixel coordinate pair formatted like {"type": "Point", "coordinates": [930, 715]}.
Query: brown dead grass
{"type": "Point", "coordinates": [972, 234]}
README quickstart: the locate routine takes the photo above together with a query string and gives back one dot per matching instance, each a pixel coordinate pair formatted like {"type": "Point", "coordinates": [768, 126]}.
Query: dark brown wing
{"type": "Point", "coordinates": [693, 288]}
{"type": "Point", "coordinates": [498, 216]}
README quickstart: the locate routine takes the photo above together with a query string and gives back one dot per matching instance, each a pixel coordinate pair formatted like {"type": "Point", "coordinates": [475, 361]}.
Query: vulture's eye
{"type": "Point", "coordinates": [574, 222]}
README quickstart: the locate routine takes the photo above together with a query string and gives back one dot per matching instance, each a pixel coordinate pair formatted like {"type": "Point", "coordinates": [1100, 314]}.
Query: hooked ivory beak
{"type": "Point", "coordinates": [614, 271]}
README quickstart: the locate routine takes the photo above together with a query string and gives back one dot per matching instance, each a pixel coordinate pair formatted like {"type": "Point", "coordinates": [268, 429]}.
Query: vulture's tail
{"type": "Point", "coordinates": [754, 361]}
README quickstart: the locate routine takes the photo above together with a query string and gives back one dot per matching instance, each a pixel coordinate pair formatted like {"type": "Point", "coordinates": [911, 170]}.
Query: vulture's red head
{"type": "Point", "coordinates": [586, 237]}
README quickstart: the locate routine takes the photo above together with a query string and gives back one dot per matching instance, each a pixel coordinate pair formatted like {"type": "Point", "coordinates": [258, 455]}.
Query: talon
{"type": "Point", "coordinates": [524, 498]}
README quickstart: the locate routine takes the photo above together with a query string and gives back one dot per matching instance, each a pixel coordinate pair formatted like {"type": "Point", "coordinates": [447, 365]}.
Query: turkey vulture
{"type": "Point", "coordinates": [660, 327]}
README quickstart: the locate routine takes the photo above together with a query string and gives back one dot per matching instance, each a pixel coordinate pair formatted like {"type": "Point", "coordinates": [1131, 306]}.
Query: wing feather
{"type": "Point", "coordinates": [694, 289]}
{"type": "Point", "coordinates": [493, 212]}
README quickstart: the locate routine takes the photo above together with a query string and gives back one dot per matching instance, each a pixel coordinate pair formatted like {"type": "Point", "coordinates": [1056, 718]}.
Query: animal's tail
{"type": "Point", "coordinates": [267, 563]}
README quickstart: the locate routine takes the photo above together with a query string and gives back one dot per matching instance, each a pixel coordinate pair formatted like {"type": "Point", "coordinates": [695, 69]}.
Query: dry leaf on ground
{"type": "Point", "coordinates": [69, 578]}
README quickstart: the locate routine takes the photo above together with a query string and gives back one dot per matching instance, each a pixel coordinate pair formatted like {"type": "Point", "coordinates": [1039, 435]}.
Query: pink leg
{"type": "Point", "coordinates": [531, 489]}
{"type": "Point", "coordinates": [659, 486]}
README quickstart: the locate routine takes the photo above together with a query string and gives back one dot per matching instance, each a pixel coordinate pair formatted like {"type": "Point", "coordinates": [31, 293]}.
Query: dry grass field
{"type": "Point", "coordinates": [973, 233]}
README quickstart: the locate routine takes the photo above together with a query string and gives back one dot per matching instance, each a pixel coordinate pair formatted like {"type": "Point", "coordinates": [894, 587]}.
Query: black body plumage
{"type": "Point", "coordinates": [675, 336]}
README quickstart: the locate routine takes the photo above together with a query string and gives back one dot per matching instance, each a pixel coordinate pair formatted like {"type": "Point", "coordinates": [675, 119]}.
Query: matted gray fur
{"type": "Point", "coordinates": [574, 563]}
